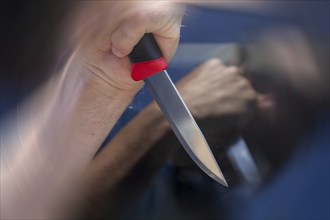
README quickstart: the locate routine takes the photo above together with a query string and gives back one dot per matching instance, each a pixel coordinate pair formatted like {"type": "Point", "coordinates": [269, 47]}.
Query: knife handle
{"type": "Point", "coordinates": [146, 58]}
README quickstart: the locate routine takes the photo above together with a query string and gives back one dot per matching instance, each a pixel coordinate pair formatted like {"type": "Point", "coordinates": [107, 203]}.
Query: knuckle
{"type": "Point", "coordinates": [250, 99]}
{"type": "Point", "coordinates": [119, 35]}
{"type": "Point", "coordinates": [140, 18]}
{"type": "Point", "coordinates": [121, 40]}
{"type": "Point", "coordinates": [232, 70]}
{"type": "Point", "coordinates": [214, 62]}
{"type": "Point", "coordinates": [155, 17]}
{"type": "Point", "coordinates": [244, 83]}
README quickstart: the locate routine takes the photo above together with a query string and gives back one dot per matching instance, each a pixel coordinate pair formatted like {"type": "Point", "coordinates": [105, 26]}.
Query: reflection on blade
{"type": "Point", "coordinates": [184, 125]}
{"type": "Point", "coordinates": [243, 162]}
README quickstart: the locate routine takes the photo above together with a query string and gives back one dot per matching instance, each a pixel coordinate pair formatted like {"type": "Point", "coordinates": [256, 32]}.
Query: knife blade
{"type": "Point", "coordinates": [149, 65]}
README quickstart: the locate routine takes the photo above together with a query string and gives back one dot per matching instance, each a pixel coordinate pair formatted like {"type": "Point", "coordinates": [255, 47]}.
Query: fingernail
{"type": "Point", "coordinates": [116, 52]}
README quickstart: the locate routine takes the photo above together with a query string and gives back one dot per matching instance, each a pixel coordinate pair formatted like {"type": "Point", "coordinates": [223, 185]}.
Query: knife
{"type": "Point", "coordinates": [149, 65]}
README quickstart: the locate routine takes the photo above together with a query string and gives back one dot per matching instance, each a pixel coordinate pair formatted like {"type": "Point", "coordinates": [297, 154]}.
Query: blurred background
{"type": "Point", "coordinates": [290, 148]}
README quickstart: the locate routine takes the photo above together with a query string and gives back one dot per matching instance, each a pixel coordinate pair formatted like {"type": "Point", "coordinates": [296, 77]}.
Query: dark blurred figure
{"type": "Point", "coordinates": [291, 71]}
{"type": "Point", "coordinates": [289, 134]}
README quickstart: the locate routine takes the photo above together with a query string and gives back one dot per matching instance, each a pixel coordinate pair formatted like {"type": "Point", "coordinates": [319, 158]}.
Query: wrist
{"type": "Point", "coordinates": [112, 91]}
{"type": "Point", "coordinates": [97, 81]}
{"type": "Point", "coordinates": [103, 71]}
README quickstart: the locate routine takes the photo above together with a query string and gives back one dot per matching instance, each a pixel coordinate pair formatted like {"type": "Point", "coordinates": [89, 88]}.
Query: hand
{"type": "Point", "coordinates": [206, 90]}
{"type": "Point", "coordinates": [72, 110]}
{"type": "Point", "coordinates": [114, 28]}
{"type": "Point", "coordinates": [214, 90]}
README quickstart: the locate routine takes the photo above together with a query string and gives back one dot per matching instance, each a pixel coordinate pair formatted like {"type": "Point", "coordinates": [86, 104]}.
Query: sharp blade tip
{"type": "Point", "coordinates": [220, 179]}
{"type": "Point", "coordinates": [224, 183]}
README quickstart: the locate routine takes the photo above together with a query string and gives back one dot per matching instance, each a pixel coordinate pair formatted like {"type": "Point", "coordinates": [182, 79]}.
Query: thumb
{"type": "Point", "coordinates": [164, 22]}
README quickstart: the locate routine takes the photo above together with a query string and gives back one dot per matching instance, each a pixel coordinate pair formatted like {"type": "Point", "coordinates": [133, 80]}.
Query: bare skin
{"type": "Point", "coordinates": [56, 133]}
{"type": "Point", "coordinates": [146, 142]}
{"type": "Point", "coordinates": [224, 87]}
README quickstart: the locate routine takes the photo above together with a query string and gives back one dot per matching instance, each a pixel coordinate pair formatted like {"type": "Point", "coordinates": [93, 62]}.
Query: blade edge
{"type": "Point", "coordinates": [162, 88]}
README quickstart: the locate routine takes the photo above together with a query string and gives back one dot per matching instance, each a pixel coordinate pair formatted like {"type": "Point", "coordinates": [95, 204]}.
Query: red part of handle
{"type": "Point", "coordinates": [142, 70]}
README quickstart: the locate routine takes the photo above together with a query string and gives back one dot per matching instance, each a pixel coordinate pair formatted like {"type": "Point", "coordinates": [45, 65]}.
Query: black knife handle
{"type": "Point", "coordinates": [146, 58]}
{"type": "Point", "coordinates": [145, 50]}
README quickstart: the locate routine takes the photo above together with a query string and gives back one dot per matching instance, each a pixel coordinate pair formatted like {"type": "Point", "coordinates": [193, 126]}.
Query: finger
{"type": "Point", "coordinates": [230, 75]}
{"type": "Point", "coordinates": [167, 46]}
{"type": "Point", "coordinates": [164, 23]}
{"type": "Point", "coordinates": [202, 72]}
{"type": "Point", "coordinates": [232, 70]}
{"type": "Point", "coordinates": [127, 35]}
{"type": "Point", "coordinates": [265, 102]}
{"type": "Point", "coordinates": [211, 64]}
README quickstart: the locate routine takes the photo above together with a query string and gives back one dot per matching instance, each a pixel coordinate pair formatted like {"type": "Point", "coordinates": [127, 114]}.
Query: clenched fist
{"type": "Point", "coordinates": [213, 90]}
{"type": "Point", "coordinates": [110, 30]}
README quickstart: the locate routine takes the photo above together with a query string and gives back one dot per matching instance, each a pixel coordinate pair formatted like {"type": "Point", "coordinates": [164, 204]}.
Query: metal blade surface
{"type": "Point", "coordinates": [183, 124]}
{"type": "Point", "coordinates": [241, 158]}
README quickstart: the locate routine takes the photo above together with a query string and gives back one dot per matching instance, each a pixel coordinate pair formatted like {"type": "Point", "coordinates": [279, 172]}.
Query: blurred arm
{"type": "Point", "coordinates": [137, 152]}
{"type": "Point", "coordinates": [53, 138]}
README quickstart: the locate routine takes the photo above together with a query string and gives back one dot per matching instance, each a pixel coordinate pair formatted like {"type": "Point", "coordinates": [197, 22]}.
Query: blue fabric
{"type": "Point", "coordinates": [302, 190]}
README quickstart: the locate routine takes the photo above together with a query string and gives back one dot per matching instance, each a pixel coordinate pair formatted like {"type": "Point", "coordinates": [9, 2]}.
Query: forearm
{"type": "Point", "coordinates": [134, 156]}
{"type": "Point", "coordinates": [131, 144]}
{"type": "Point", "coordinates": [57, 134]}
